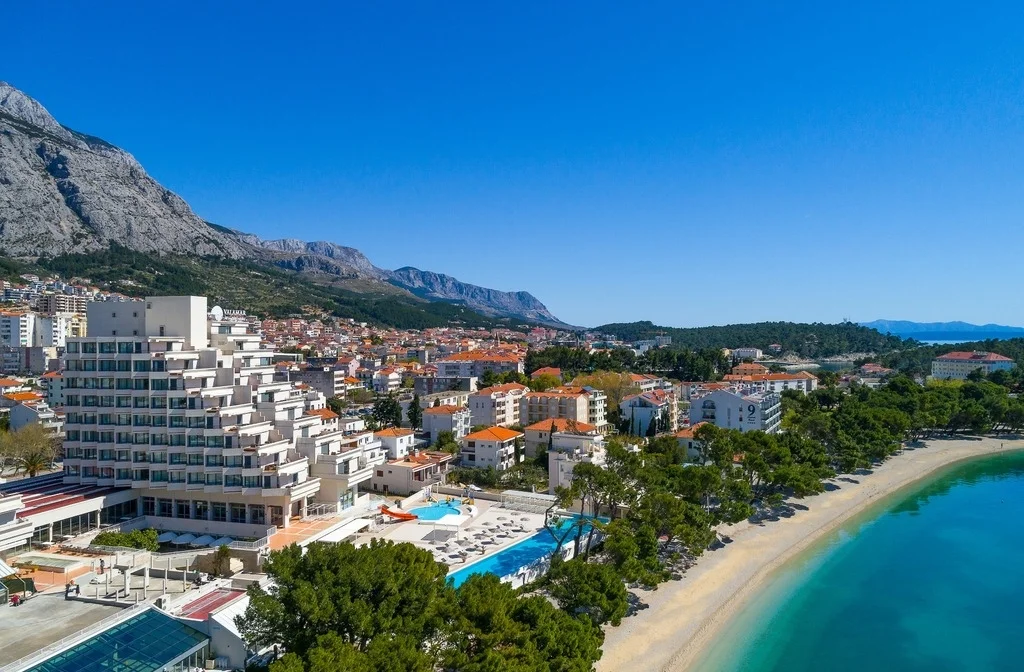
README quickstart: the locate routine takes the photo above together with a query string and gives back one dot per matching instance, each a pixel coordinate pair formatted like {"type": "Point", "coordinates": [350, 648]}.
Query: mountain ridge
{"type": "Point", "coordinates": [933, 330]}
{"type": "Point", "coordinates": [67, 192]}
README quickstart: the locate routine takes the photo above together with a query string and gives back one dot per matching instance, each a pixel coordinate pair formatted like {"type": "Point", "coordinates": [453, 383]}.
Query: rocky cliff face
{"type": "Point", "coordinates": [66, 192]}
{"type": "Point", "coordinates": [63, 191]}
{"type": "Point", "coordinates": [440, 287]}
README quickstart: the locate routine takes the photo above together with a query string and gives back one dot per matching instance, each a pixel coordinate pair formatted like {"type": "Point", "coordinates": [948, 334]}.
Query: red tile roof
{"type": "Point", "coordinates": [973, 357]}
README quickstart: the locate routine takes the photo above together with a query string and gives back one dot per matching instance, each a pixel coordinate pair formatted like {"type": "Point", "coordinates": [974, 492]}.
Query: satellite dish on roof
{"type": "Point", "coordinates": [217, 313]}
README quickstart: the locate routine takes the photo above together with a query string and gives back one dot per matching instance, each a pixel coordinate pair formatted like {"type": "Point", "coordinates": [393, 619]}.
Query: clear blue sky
{"type": "Point", "coordinates": [687, 163]}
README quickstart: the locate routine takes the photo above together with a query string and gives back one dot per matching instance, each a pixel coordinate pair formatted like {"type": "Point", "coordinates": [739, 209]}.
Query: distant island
{"type": "Point", "coordinates": [944, 331]}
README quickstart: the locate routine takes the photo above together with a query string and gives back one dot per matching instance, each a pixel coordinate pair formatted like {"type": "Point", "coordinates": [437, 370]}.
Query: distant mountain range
{"type": "Point", "coordinates": [945, 331]}
{"type": "Point", "coordinates": [65, 192]}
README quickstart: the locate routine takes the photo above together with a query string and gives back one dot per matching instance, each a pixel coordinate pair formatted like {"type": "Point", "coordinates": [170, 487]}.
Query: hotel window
{"type": "Point", "coordinates": [158, 476]}
{"type": "Point", "coordinates": [202, 510]}
{"type": "Point", "coordinates": [238, 513]}
{"type": "Point", "coordinates": [233, 481]}
{"type": "Point", "coordinates": [148, 506]}
{"type": "Point", "coordinates": [165, 508]}
{"type": "Point", "coordinates": [220, 511]}
{"type": "Point", "coordinates": [195, 459]}
{"type": "Point", "coordinates": [213, 479]}
{"type": "Point", "coordinates": [124, 474]}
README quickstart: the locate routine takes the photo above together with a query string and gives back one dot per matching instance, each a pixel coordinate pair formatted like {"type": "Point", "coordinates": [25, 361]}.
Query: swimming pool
{"type": "Point", "coordinates": [517, 556]}
{"type": "Point", "coordinates": [435, 511]}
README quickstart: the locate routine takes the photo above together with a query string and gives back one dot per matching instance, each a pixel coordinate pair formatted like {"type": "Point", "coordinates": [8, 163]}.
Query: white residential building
{"type": "Point", "coordinates": [738, 408]}
{"type": "Point", "coordinates": [540, 434]}
{"type": "Point", "coordinates": [412, 473]}
{"type": "Point", "coordinates": [569, 451]}
{"type": "Point", "coordinates": [447, 418]}
{"type": "Point", "coordinates": [748, 353]}
{"type": "Point", "coordinates": [397, 442]}
{"type": "Point", "coordinates": [658, 408]}
{"type": "Point", "coordinates": [492, 447]}
{"type": "Point", "coordinates": [801, 381]}
{"type": "Point", "coordinates": [959, 365]}
{"type": "Point", "coordinates": [17, 329]}
{"type": "Point", "coordinates": [498, 405]}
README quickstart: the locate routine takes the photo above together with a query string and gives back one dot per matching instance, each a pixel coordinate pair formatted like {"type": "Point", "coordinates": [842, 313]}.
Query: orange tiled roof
{"type": "Point", "coordinates": [444, 409]}
{"type": "Point", "coordinates": [394, 431]}
{"type": "Point", "coordinates": [325, 413]}
{"type": "Point", "coordinates": [493, 434]}
{"type": "Point", "coordinates": [687, 432]}
{"type": "Point", "coordinates": [561, 425]}
{"type": "Point", "coordinates": [23, 396]}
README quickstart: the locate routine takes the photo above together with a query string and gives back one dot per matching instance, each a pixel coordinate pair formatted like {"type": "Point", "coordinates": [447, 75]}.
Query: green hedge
{"type": "Point", "coordinates": [144, 539]}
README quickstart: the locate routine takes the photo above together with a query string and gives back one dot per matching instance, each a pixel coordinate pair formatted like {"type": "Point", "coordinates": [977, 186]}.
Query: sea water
{"type": "Point", "coordinates": [931, 579]}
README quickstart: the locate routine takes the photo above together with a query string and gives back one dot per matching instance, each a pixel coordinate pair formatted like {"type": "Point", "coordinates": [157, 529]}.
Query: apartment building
{"type": "Point", "coordinates": [50, 302]}
{"type": "Point", "coordinates": [397, 442]}
{"type": "Point", "coordinates": [447, 418]}
{"type": "Point", "coordinates": [411, 473]}
{"type": "Point", "coordinates": [738, 408]}
{"type": "Point", "coordinates": [571, 450]}
{"type": "Point", "coordinates": [328, 381]}
{"type": "Point", "coordinates": [597, 405]}
{"type": "Point", "coordinates": [959, 365]}
{"type": "Point", "coordinates": [657, 409]}
{"type": "Point", "coordinates": [17, 329]}
{"type": "Point", "coordinates": [492, 447]}
{"type": "Point", "coordinates": [777, 383]}
{"type": "Point", "coordinates": [498, 405]}
{"type": "Point", "coordinates": [425, 385]}
{"type": "Point", "coordinates": [563, 404]}
{"type": "Point", "coordinates": [747, 353]}
{"type": "Point", "coordinates": [183, 409]}
{"type": "Point", "coordinates": [474, 364]}
{"type": "Point", "coordinates": [555, 432]}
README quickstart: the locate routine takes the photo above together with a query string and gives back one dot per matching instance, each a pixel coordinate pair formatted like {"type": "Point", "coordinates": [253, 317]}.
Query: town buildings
{"type": "Point", "coordinates": [801, 381]}
{"type": "Point", "coordinates": [474, 364]}
{"type": "Point", "coordinates": [959, 365]}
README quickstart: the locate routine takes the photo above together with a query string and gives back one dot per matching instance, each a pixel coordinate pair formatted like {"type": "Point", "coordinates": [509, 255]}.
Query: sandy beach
{"type": "Point", "coordinates": [683, 616]}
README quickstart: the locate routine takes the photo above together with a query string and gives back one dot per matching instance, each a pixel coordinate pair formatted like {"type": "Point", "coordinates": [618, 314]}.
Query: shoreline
{"type": "Point", "coordinates": [683, 617]}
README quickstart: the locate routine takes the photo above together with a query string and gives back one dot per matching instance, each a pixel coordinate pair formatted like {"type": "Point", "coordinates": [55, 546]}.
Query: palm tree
{"type": "Point", "coordinates": [34, 462]}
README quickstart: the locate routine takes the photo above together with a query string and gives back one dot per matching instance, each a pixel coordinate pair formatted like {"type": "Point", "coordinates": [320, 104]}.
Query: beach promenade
{"type": "Point", "coordinates": [682, 617]}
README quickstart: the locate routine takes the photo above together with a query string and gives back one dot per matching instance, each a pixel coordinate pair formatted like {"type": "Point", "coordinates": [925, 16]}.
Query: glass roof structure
{"type": "Point", "coordinates": [143, 643]}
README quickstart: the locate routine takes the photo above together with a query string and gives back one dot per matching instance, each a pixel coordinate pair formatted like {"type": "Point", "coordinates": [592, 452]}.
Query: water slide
{"type": "Point", "coordinates": [395, 514]}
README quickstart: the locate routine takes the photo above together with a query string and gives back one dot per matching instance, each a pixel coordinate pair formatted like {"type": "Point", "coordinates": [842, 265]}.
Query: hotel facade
{"type": "Point", "coordinates": [182, 407]}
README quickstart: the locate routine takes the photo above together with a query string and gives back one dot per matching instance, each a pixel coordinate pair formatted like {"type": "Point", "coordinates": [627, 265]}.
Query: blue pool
{"type": "Point", "coordinates": [511, 559]}
{"type": "Point", "coordinates": [435, 511]}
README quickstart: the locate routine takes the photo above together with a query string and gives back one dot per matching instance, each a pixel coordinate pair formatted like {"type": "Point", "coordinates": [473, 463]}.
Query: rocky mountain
{"type": "Point", "coordinates": [64, 192]}
{"type": "Point", "coordinates": [440, 287]}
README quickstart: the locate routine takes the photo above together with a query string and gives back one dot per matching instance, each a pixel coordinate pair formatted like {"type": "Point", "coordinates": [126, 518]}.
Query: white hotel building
{"type": "Point", "coordinates": [182, 407]}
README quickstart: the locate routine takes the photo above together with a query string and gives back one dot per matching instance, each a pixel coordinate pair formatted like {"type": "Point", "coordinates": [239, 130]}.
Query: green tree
{"type": "Point", "coordinates": [544, 382]}
{"type": "Point", "coordinates": [415, 413]}
{"type": "Point", "coordinates": [358, 594]}
{"type": "Point", "coordinates": [588, 589]}
{"type": "Point", "coordinates": [446, 442]}
{"type": "Point", "coordinates": [387, 412]}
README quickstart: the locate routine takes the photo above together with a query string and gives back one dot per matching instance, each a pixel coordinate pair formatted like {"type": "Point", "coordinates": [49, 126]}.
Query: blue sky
{"type": "Point", "coordinates": [687, 163]}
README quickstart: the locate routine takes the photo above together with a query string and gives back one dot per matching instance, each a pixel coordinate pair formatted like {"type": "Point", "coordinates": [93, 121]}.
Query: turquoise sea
{"type": "Point", "coordinates": [930, 579]}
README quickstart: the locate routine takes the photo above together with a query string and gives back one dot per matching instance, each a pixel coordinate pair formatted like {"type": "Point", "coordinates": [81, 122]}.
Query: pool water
{"type": "Point", "coordinates": [435, 511]}
{"type": "Point", "coordinates": [511, 559]}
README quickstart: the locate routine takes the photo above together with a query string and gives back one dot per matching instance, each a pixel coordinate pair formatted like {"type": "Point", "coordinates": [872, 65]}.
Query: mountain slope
{"type": "Point", "coordinates": [440, 287]}
{"type": "Point", "coordinates": [64, 192]}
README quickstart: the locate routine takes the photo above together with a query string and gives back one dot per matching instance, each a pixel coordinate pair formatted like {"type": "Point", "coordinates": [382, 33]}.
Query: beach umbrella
{"type": "Point", "coordinates": [525, 519]}
{"type": "Point", "coordinates": [223, 541]}
{"type": "Point", "coordinates": [502, 518]}
{"type": "Point", "coordinates": [166, 537]}
{"type": "Point", "coordinates": [183, 539]}
{"type": "Point", "coordinates": [202, 541]}
{"type": "Point", "coordinates": [464, 542]}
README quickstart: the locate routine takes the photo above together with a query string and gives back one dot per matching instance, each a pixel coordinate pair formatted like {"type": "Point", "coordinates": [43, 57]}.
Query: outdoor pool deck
{"type": "Point", "coordinates": [490, 516]}
{"type": "Point", "coordinates": [44, 619]}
